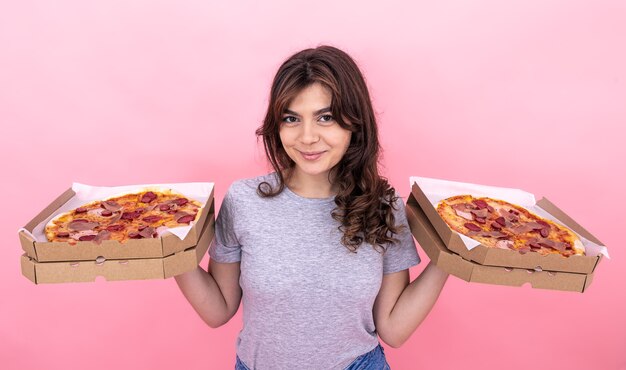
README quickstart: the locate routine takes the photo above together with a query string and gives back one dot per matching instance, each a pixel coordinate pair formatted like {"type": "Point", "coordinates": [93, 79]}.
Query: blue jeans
{"type": "Point", "coordinates": [372, 360]}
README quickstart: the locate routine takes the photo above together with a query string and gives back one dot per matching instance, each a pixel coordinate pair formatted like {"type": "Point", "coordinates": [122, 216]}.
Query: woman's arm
{"type": "Point", "coordinates": [215, 295]}
{"type": "Point", "coordinates": [401, 306]}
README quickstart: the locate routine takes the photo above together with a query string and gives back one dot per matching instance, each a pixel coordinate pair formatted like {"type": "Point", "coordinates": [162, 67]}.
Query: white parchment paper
{"type": "Point", "coordinates": [199, 191]}
{"type": "Point", "coordinates": [437, 190]}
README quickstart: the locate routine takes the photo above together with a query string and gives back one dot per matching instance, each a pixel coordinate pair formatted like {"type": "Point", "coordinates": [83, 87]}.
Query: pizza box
{"type": "Point", "coordinates": [163, 246]}
{"type": "Point", "coordinates": [506, 257]}
{"type": "Point", "coordinates": [121, 269]}
{"type": "Point", "coordinates": [428, 238]}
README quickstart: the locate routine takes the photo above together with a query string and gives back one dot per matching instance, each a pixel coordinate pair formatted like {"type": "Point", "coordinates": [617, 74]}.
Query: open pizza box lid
{"type": "Point", "coordinates": [165, 245]}
{"type": "Point", "coordinates": [506, 257]}
{"type": "Point", "coordinates": [428, 238]}
{"type": "Point", "coordinates": [121, 269]}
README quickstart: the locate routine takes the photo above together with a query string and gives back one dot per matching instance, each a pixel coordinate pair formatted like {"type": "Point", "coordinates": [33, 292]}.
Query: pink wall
{"type": "Point", "coordinates": [508, 93]}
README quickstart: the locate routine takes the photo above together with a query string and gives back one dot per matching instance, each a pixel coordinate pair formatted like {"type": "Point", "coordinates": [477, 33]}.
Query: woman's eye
{"type": "Point", "coordinates": [289, 119]}
{"type": "Point", "coordinates": [326, 118]}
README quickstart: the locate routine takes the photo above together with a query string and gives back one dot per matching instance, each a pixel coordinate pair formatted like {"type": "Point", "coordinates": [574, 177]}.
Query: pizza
{"type": "Point", "coordinates": [499, 224]}
{"type": "Point", "coordinates": [133, 215]}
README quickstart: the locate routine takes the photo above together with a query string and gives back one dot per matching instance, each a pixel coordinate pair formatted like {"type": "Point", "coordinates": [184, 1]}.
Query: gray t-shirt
{"type": "Point", "coordinates": [307, 300]}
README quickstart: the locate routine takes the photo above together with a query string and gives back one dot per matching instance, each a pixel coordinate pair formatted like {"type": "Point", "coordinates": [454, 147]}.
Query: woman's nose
{"type": "Point", "coordinates": [309, 133]}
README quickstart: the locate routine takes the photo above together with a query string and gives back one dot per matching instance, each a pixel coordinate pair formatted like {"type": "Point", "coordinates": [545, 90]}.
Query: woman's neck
{"type": "Point", "coordinates": [316, 186]}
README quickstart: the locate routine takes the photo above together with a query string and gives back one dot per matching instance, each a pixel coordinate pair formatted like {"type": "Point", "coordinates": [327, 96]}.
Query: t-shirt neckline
{"type": "Point", "coordinates": [298, 197]}
{"type": "Point", "coordinates": [292, 194]}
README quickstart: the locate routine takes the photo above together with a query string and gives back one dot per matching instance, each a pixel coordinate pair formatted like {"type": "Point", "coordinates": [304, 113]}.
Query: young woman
{"type": "Point", "coordinates": [319, 249]}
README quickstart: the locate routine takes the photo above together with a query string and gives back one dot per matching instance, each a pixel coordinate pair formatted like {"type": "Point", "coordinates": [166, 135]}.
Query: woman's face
{"type": "Point", "coordinates": [309, 133]}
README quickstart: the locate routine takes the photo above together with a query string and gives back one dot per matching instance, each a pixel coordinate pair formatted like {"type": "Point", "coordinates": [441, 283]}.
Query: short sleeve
{"type": "Point", "coordinates": [225, 247]}
{"type": "Point", "coordinates": [403, 254]}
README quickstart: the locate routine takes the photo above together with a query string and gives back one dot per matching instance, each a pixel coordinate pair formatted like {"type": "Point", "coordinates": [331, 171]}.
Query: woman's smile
{"type": "Point", "coordinates": [311, 156]}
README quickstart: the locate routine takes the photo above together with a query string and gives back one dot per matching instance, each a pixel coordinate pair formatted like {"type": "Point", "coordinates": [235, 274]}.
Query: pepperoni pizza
{"type": "Point", "coordinates": [134, 215]}
{"type": "Point", "coordinates": [500, 224]}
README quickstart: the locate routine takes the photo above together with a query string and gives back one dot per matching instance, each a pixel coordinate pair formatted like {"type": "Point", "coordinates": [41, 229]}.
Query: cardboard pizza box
{"type": "Point", "coordinates": [121, 269]}
{"type": "Point", "coordinates": [163, 246]}
{"type": "Point", "coordinates": [506, 257]}
{"type": "Point", "coordinates": [428, 238]}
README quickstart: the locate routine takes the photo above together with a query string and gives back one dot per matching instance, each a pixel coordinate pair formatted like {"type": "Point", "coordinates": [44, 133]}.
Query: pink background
{"type": "Point", "coordinates": [526, 94]}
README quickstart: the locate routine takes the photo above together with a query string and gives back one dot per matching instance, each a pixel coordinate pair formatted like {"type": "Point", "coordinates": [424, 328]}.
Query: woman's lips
{"type": "Point", "coordinates": [311, 156]}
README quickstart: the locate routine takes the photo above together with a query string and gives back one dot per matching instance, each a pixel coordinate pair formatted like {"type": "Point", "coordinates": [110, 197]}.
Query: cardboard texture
{"type": "Point", "coordinates": [166, 245]}
{"type": "Point", "coordinates": [121, 269]}
{"type": "Point", "coordinates": [509, 258]}
{"type": "Point", "coordinates": [433, 245]}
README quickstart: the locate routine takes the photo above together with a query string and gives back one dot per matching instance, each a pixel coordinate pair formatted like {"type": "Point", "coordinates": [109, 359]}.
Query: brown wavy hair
{"type": "Point", "coordinates": [364, 199]}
